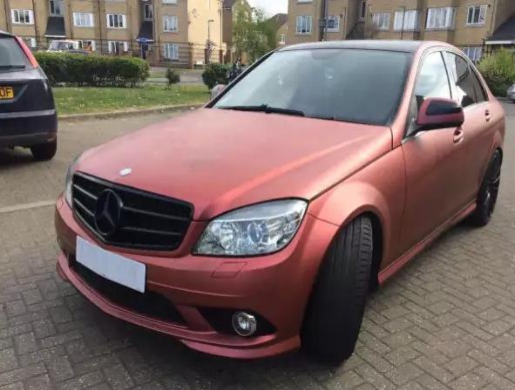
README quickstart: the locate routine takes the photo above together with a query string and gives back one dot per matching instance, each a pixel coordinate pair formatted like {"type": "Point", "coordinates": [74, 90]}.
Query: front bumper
{"type": "Point", "coordinates": [276, 287]}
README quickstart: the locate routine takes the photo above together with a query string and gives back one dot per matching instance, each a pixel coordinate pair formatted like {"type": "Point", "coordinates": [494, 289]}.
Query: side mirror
{"type": "Point", "coordinates": [439, 113]}
{"type": "Point", "coordinates": [217, 90]}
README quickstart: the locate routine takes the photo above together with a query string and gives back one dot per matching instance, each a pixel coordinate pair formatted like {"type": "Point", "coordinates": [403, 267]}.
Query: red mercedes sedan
{"type": "Point", "coordinates": [259, 223]}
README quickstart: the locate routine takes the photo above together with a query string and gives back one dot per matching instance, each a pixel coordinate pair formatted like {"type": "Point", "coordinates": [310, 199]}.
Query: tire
{"type": "Point", "coordinates": [488, 193]}
{"type": "Point", "coordinates": [44, 152]}
{"type": "Point", "coordinates": [335, 311]}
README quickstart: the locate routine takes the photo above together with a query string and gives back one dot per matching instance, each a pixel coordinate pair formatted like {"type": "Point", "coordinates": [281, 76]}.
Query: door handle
{"type": "Point", "coordinates": [488, 116]}
{"type": "Point", "coordinates": [458, 136]}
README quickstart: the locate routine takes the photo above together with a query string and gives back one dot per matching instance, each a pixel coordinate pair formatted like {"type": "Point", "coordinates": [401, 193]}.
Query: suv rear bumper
{"type": "Point", "coordinates": [28, 128]}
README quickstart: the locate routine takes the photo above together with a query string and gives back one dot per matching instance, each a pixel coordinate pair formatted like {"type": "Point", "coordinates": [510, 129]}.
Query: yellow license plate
{"type": "Point", "coordinates": [6, 93]}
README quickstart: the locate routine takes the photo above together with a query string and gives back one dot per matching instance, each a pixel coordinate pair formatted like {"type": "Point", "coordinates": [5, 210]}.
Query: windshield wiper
{"type": "Point", "coordinates": [13, 66]}
{"type": "Point", "coordinates": [266, 109]}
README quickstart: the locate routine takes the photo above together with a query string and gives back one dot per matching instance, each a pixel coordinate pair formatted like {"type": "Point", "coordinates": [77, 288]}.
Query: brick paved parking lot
{"type": "Point", "coordinates": [446, 321]}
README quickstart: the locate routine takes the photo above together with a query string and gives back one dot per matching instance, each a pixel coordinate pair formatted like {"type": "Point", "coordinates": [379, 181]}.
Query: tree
{"type": "Point", "coordinates": [253, 35]}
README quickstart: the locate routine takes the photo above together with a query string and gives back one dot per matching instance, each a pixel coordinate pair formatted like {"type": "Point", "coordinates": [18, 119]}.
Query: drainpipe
{"type": "Point", "coordinates": [99, 6]}
{"type": "Point", "coordinates": [323, 14]}
{"type": "Point", "coordinates": [7, 16]}
{"type": "Point", "coordinates": [36, 35]}
{"type": "Point", "coordinates": [403, 16]}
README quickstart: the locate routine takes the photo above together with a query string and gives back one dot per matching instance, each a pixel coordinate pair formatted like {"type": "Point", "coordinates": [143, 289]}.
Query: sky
{"type": "Point", "coordinates": [271, 7]}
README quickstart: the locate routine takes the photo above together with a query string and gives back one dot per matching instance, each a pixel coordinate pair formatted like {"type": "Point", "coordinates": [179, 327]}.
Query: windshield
{"type": "Point", "coordinates": [12, 56]}
{"type": "Point", "coordinates": [351, 85]}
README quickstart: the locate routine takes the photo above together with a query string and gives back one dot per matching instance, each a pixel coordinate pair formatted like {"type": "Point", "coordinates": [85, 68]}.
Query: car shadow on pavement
{"type": "Point", "coordinates": [10, 158]}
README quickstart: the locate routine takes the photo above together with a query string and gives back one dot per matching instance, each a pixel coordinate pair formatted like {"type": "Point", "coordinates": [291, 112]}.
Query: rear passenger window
{"type": "Point", "coordinates": [11, 55]}
{"type": "Point", "coordinates": [432, 80]}
{"type": "Point", "coordinates": [467, 85]}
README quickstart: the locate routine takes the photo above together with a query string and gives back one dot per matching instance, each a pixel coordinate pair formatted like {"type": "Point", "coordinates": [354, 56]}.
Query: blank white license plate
{"type": "Point", "coordinates": [119, 269]}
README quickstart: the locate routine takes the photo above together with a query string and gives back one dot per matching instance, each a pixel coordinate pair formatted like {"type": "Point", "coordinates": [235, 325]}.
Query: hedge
{"type": "Point", "coordinates": [92, 70]}
{"type": "Point", "coordinates": [215, 74]}
{"type": "Point", "coordinates": [498, 70]}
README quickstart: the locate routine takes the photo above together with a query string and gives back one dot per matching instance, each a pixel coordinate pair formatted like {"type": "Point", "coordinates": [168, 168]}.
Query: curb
{"type": "Point", "coordinates": [127, 113]}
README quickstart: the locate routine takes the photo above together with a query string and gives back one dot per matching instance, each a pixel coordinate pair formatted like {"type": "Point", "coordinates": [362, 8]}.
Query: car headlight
{"type": "Point", "coordinates": [69, 182]}
{"type": "Point", "coordinates": [254, 230]}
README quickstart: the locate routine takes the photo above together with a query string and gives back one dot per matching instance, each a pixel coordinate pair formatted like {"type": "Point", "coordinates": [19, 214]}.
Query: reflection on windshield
{"type": "Point", "coordinates": [362, 86]}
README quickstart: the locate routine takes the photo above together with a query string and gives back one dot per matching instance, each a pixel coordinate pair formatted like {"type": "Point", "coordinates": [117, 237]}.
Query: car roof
{"type": "Point", "coordinates": [5, 34]}
{"type": "Point", "coordinates": [400, 46]}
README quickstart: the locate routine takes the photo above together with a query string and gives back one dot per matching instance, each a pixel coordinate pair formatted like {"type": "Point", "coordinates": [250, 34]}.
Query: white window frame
{"type": "Point", "coordinates": [58, 4]}
{"type": "Point", "coordinates": [381, 20]}
{"type": "Point", "coordinates": [304, 1]}
{"type": "Point", "coordinates": [83, 41]}
{"type": "Point", "coordinates": [170, 23]}
{"type": "Point", "coordinates": [481, 16]}
{"type": "Point", "coordinates": [474, 53]}
{"type": "Point", "coordinates": [173, 2]}
{"type": "Point", "coordinates": [282, 39]}
{"type": "Point", "coordinates": [30, 42]}
{"type": "Point", "coordinates": [28, 16]}
{"type": "Point", "coordinates": [171, 51]}
{"type": "Point", "coordinates": [441, 18]}
{"type": "Point", "coordinates": [83, 19]}
{"type": "Point", "coordinates": [305, 27]}
{"type": "Point", "coordinates": [410, 18]}
{"type": "Point", "coordinates": [111, 46]}
{"type": "Point", "coordinates": [116, 19]}
{"type": "Point", "coordinates": [336, 23]}
{"type": "Point", "coordinates": [146, 8]}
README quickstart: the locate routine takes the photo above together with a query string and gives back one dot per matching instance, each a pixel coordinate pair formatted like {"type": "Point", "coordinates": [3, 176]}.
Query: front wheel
{"type": "Point", "coordinates": [44, 152]}
{"type": "Point", "coordinates": [335, 311]}
{"type": "Point", "coordinates": [488, 193]}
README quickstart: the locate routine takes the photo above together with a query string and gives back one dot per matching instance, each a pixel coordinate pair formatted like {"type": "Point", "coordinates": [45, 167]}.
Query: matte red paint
{"type": "Point", "coordinates": [416, 187]}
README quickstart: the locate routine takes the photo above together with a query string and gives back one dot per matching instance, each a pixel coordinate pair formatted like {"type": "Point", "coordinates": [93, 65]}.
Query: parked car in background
{"type": "Point", "coordinates": [511, 93]}
{"type": "Point", "coordinates": [63, 46]}
{"type": "Point", "coordinates": [27, 111]}
{"type": "Point", "coordinates": [260, 223]}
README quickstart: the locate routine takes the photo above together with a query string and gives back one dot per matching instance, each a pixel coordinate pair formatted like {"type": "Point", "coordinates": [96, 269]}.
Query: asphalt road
{"type": "Point", "coordinates": [446, 321]}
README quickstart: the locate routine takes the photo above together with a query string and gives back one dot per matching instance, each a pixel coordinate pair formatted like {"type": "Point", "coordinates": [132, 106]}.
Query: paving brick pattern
{"type": "Point", "coordinates": [447, 321]}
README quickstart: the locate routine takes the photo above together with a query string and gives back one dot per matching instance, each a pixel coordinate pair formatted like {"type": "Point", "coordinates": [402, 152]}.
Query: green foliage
{"type": "Point", "coordinates": [253, 35]}
{"type": "Point", "coordinates": [498, 69]}
{"type": "Point", "coordinates": [215, 74]}
{"type": "Point", "coordinates": [172, 76]}
{"type": "Point", "coordinates": [92, 70]}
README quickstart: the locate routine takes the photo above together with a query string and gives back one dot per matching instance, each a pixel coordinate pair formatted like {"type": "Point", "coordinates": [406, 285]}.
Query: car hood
{"type": "Point", "coordinates": [219, 160]}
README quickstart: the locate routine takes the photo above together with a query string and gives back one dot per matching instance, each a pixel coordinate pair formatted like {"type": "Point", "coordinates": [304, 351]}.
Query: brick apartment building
{"type": "Point", "coordinates": [182, 32]}
{"type": "Point", "coordinates": [473, 25]}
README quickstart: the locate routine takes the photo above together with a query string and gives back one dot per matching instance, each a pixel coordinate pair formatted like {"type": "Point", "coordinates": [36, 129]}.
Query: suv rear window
{"type": "Point", "coordinates": [12, 56]}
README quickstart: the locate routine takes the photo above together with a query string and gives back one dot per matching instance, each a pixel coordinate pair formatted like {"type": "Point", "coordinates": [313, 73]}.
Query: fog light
{"type": "Point", "coordinates": [244, 324]}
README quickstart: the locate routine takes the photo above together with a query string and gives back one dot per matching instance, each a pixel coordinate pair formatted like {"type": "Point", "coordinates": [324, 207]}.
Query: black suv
{"type": "Point", "coordinates": [27, 111]}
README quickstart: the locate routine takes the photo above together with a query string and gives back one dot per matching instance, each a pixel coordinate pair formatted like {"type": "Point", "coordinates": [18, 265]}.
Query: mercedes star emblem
{"type": "Point", "coordinates": [108, 213]}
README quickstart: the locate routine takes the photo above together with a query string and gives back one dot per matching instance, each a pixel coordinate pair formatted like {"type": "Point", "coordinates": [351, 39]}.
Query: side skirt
{"type": "Point", "coordinates": [396, 265]}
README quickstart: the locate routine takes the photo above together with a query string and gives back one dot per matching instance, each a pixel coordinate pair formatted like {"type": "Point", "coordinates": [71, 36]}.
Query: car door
{"type": "Point", "coordinates": [432, 177]}
{"type": "Point", "coordinates": [478, 129]}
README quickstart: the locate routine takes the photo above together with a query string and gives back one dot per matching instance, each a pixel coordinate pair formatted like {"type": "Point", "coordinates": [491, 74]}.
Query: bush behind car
{"type": "Point", "coordinates": [93, 70]}
{"type": "Point", "coordinates": [498, 70]}
{"type": "Point", "coordinates": [215, 74]}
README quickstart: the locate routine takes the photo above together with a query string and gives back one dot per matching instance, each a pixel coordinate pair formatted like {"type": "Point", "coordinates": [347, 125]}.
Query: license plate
{"type": "Point", "coordinates": [116, 268]}
{"type": "Point", "coordinates": [6, 93]}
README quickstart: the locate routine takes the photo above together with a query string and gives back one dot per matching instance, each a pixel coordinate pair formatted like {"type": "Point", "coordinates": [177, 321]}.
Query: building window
{"type": "Point", "coordinates": [381, 20]}
{"type": "Point", "coordinates": [476, 15]}
{"type": "Point", "coordinates": [473, 52]}
{"type": "Point", "coordinates": [56, 7]}
{"type": "Point", "coordinates": [282, 39]}
{"type": "Point", "coordinates": [169, 1]}
{"type": "Point", "coordinates": [171, 51]}
{"type": "Point", "coordinates": [304, 24]}
{"type": "Point", "coordinates": [304, 1]}
{"type": "Point", "coordinates": [117, 47]}
{"type": "Point", "coordinates": [22, 16]}
{"type": "Point", "coordinates": [116, 21]}
{"type": "Point", "coordinates": [87, 45]}
{"type": "Point", "coordinates": [440, 18]}
{"type": "Point", "coordinates": [362, 10]}
{"type": "Point", "coordinates": [410, 19]}
{"type": "Point", "coordinates": [30, 42]}
{"type": "Point", "coordinates": [83, 19]}
{"type": "Point", "coordinates": [170, 24]}
{"type": "Point", "coordinates": [148, 11]}
{"type": "Point", "coordinates": [333, 24]}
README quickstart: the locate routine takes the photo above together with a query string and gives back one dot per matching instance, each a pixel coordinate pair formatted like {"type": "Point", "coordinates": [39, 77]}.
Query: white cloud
{"type": "Point", "coordinates": [271, 7]}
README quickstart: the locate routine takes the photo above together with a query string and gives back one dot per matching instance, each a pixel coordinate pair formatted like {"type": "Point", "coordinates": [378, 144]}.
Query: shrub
{"type": "Point", "coordinates": [172, 76]}
{"type": "Point", "coordinates": [92, 70]}
{"type": "Point", "coordinates": [498, 71]}
{"type": "Point", "coordinates": [215, 74]}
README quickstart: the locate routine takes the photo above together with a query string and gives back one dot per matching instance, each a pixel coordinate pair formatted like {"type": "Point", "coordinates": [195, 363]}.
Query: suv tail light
{"type": "Point", "coordinates": [27, 52]}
